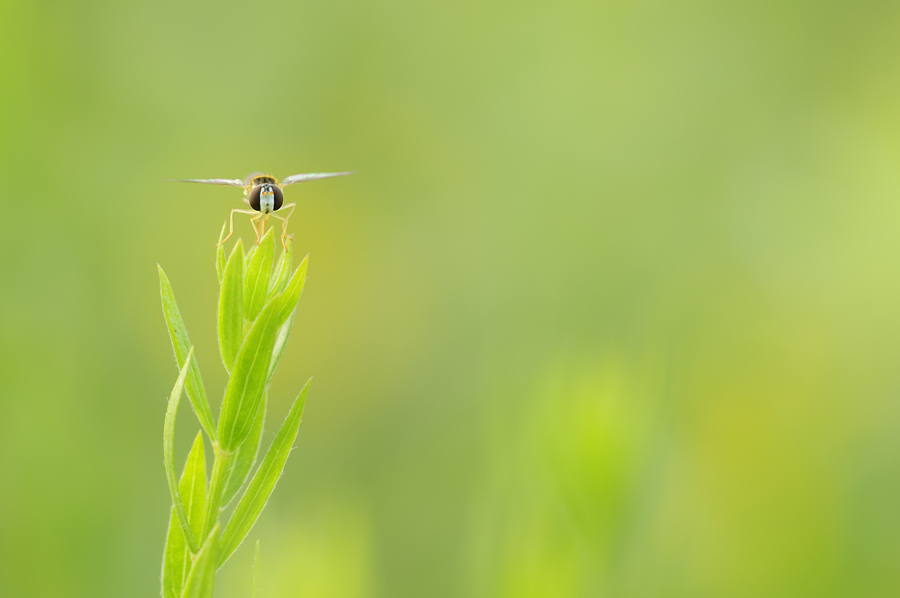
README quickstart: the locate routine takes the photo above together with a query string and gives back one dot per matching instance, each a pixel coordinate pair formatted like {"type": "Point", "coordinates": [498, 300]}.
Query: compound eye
{"type": "Point", "coordinates": [254, 197]}
{"type": "Point", "coordinates": [279, 197]}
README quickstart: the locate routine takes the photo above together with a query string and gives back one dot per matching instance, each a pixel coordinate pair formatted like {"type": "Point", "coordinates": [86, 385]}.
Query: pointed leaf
{"type": "Point", "coordinates": [282, 272]}
{"type": "Point", "coordinates": [220, 263]}
{"type": "Point", "coordinates": [243, 459]}
{"type": "Point", "coordinates": [180, 345]}
{"type": "Point", "coordinates": [177, 559]}
{"type": "Point", "coordinates": [231, 318]}
{"type": "Point", "coordinates": [284, 333]}
{"type": "Point", "coordinates": [248, 379]}
{"type": "Point", "coordinates": [256, 282]}
{"type": "Point", "coordinates": [202, 578]}
{"type": "Point", "coordinates": [220, 255]}
{"type": "Point", "coordinates": [254, 499]}
{"type": "Point", "coordinates": [169, 456]}
{"type": "Point", "coordinates": [291, 295]}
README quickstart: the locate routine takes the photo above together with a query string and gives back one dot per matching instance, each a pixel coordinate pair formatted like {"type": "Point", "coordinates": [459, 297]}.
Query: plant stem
{"type": "Point", "coordinates": [216, 488]}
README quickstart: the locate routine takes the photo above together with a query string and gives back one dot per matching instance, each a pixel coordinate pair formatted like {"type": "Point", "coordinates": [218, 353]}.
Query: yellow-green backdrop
{"type": "Point", "coordinates": [610, 308]}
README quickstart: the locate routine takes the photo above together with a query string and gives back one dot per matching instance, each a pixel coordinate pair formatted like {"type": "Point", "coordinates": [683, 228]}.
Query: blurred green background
{"type": "Point", "coordinates": [610, 307]}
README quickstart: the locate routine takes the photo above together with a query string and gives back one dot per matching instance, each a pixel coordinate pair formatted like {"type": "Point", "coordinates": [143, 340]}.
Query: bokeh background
{"type": "Point", "coordinates": [610, 308]}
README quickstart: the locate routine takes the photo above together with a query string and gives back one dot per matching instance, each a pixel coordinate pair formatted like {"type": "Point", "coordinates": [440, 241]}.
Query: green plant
{"type": "Point", "coordinates": [255, 317]}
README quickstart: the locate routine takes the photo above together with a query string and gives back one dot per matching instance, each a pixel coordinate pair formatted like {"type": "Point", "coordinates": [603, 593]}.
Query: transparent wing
{"type": "Point", "coordinates": [232, 182]}
{"type": "Point", "coordinates": [312, 176]}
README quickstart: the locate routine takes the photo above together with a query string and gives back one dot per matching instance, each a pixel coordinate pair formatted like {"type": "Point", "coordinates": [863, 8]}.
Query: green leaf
{"type": "Point", "coordinates": [177, 559]}
{"type": "Point", "coordinates": [291, 295]}
{"type": "Point", "coordinates": [284, 333]}
{"type": "Point", "coordinates": [282, 270]}
{"type": "Point", "coordinates": [202, 578]}
{"type": "Point", "coordinates": [263, 483]}
{"type": "Point", "coordinates": [243, 459]}
{"type": "Point", "coordinates": [256, 282]}
{"type": "Point", "coordinates": [231, 318]}
{"type": "Point", "coordinates": [248, 379]}
{"type": "Point", "coordinates": [180, 345]}
{"type": "Point", "coordinates": [169, 456]}
{"type": "Point", "coordinates": [220, 254]}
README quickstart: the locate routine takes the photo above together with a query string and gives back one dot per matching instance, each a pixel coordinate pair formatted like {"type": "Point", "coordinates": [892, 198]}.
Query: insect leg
{"type": "Point", "coordinates": [262, 225]}
{"type": "Point", "coordinates": [231, 221]}
{"type": "Point", "coordinates": [284, 221]}
{"type": "Point", "coordinates": [256, 222]}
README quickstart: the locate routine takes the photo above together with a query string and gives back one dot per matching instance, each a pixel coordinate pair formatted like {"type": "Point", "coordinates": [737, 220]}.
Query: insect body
{"type": "Point", "coordinates": [265, 195]}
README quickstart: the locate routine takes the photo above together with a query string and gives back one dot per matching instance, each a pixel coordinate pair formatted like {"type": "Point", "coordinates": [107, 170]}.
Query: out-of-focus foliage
{"type": "Point", "coordinates": [609, 308]}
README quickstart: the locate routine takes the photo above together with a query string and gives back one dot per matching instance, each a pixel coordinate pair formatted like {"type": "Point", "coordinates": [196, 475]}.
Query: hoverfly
{"type": "Point", "coordinates": [263, 193]}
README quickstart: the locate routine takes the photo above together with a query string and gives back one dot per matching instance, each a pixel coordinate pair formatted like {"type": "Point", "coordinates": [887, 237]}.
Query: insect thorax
{"type": "Point", "coordinates": [262, 179]}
